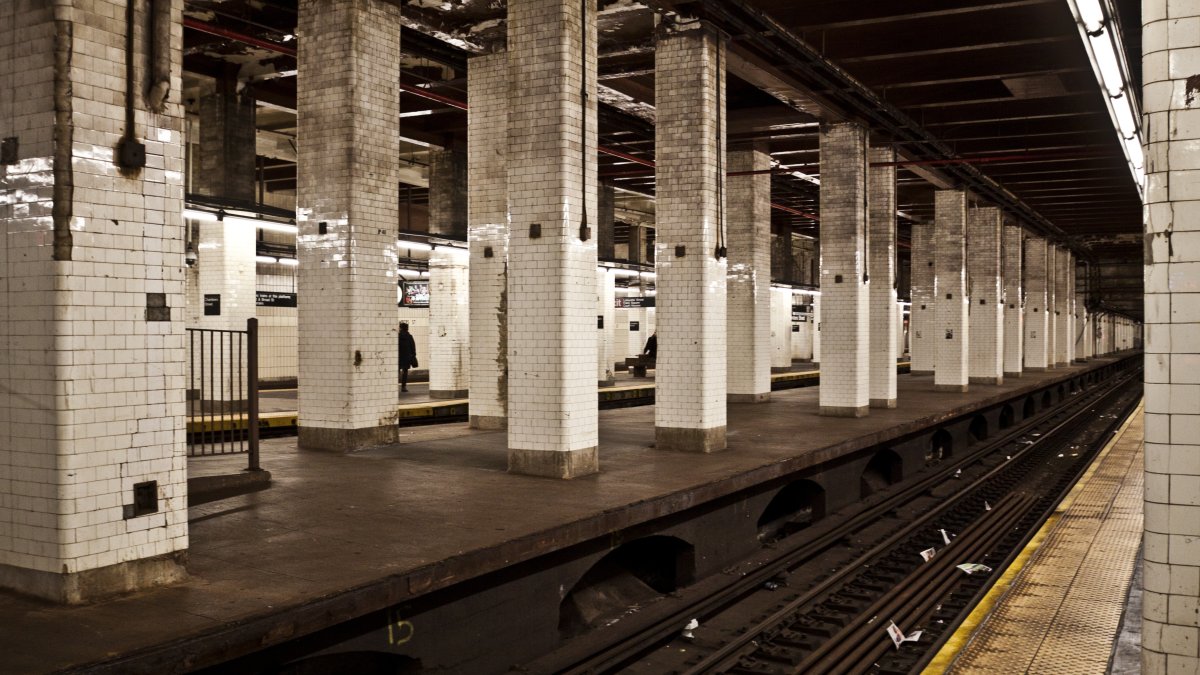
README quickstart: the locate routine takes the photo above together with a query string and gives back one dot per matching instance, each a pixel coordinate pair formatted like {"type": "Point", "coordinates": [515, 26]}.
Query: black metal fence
{"type": "Point", "coordinates": [223, 392]}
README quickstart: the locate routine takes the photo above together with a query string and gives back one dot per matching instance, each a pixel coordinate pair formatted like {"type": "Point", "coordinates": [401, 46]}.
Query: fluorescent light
{"type": "Point", "coordinates": [206, 216]}
{"type": "Point", "coordinates": [413, 245]}
{"type": "Point", "coordinates": [416, 113]}
{"type": "Point", "coordinates": [1125, 122]}
{"type": "Point", "coordinates": [1091, 14]}
{"type": "Point", "coordinates": [268, 225]}
{"type": "Point", "coordinates": [647, 275]}
{"type": "Point", "coordinates": [290, 262]}
{"type": "Point", "coordinates": [1106, 62]}
{"type": "Point", "coordinates": [270, 260]}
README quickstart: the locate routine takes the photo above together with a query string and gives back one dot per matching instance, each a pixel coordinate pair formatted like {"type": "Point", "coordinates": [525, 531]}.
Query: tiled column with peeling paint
{"type": "Point", "coordinates": [348, 99]}
{"type": "Point", "coordinates": [690, 383]}
{"type": "Point", "coordinates": [1037, 318]}
{"type": "Point", "coordinates": [1014, 301]}
{"type": "Point", "coordinates": [780, 331]}
{"type": "Point", "coordinates": [1062, 308]}
{"type": "Point", "coordinates": [487, 238]}
{"type": "Point", "coordinates": [882, 271]}
{"type": "Point", "coordinates": [845, 322]}
{"type": "Point", "coordinates": [751, 300]}
{"type": "Point", "coordinates": [1171, 96]}
{"type": "Point", "coordinates": [606, 298]}
{"type": "Point", "coordinates": [1051, 305]}
{"type": "Point", "coordinates": [986, 350]}
{"type": "Point", "coordinates": [92, 353]}
{"type": "Point", "coordinates": [951, 333]}
{"type": "Point", "coordinates": [921, 323]}
{"type": "Point", "coordinates": [449, 278]}
{"type": "Point", "coordinates": [552, 405]}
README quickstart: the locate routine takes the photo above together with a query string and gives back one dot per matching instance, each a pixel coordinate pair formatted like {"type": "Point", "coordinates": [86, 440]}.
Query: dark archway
{"type": "Point", "coordinates": [1007, 417]}
{"type": "Point", "coordinates": [978, 429]}
{"type": "Point", "coordinates": [631, 575]}
{"type": "Point", "coordinates": [1047, 400]}
{"type": "Point", "coordinates": [941, 446]}
{"type": "Point", "coordinates": [885, 468]}
{"type": "Point", "coordinates": [798, 505]}
{"type": "Point", "coordinates": [1029, 409]}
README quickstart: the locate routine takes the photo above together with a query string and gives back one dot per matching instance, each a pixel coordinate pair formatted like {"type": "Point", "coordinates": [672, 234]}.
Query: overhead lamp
{"type": "Point", "coordinates": [1106, 62]}
{"type": "Point", "coordinates": [266, 259]}
{"type": "Point", "coordinates": [413, 245]}
{"type": "Point", "coordinates": [1091, 14]}
{"type": "Point", "coordinates": [194, 214]}
{"type": "Point", "coordinates": [289, 262]}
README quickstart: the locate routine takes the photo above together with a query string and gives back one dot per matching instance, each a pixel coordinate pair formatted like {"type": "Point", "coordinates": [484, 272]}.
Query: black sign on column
{"type": "Point", "coordinates": [212, 304]}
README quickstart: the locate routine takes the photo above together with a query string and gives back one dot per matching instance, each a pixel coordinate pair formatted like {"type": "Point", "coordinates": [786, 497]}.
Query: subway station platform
{"type": "Point", "coordinates": [1059, 608]}
{"type": "Point", "coordinates": [339, 536]}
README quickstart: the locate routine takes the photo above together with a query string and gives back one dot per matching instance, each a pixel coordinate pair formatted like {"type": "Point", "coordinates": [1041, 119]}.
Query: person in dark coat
{"type": "Point", "coordinates": [651, 349]}
{"type": "Point", "coordinates": [408, 355]}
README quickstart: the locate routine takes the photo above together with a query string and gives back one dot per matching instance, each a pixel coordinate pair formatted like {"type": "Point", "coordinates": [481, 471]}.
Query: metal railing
{"type": "Point", "coordinates": [222, 397]}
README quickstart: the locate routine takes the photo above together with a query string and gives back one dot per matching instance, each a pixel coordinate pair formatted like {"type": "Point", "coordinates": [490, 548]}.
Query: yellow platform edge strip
{"type": "Point", "coordinates": [414, 410]}
{"type": "Point", "coordinates": [967, 629]}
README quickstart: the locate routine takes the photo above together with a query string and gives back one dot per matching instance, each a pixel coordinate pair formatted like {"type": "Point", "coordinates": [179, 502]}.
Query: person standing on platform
{"type": "Point", "coordinates": [651, 349]}
{"type": "Point", "coordinates": [408, 355]}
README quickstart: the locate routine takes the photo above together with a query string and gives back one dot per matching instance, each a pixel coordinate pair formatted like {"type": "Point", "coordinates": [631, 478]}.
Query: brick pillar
{"type": "Point", "coordinates": [606, 298]}
{"type": "Point", "coordinates": [986, 349]}
{"type": "Point", "coordinates": [751, 300]}
{"type": "Point", "coordinates": [845, 325]}
{"type": "Point", "coordinates": [226, 157]}
{"type": "Point", "coordinates": [92, 354]}
{"type": "Point", "coordinates": [1062, 297]}
{"type": "Point", "coordinates": [449, 278]}
{"type": "Point", "coordinates": [1037, 318]}
{"type": "Point", "coordinates": [689, 407]}
{"type": "Point", "coordinates": [1014, 301]}
{"type": "Point", "coordinates": [780, 332]}
{"type": "Point", "coordinates": [606, 220]}
{"type": "Point", "coordinates": [1170, 637]}
{"type": "Point", "coordinates": [882, 270]}
{"type": "Point", "coordinates": [951, 331]}
{"type": "Point", "coordinates": [551, 256]}
{"type": "Point", "coordinates": [348, 103]}
{"type": "Point", "coordinates": [487, 234]}
{"type": "Point", "coordinates": [921, 323]}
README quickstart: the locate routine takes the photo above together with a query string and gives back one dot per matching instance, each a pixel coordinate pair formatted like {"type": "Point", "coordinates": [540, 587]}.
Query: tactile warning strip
{"type": "Point", "coordinates": [1060, 613]}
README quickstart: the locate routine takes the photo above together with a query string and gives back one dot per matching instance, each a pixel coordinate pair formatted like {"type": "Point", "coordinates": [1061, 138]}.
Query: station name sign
{"type": "Point", "coordinates": [274, 299]}
{"type": "Point", "coordinates": [634, 302]}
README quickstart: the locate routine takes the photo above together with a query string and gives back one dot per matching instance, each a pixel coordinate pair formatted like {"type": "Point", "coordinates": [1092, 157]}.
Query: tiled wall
{"type": "Point", "coordinates": [986, 349]}
{"type": "Point", "coordinates": [1037, 323]}
{"type": "Point", "coordinates": [1014, 300]}
{"type": "Point", "coordinates": [951, 331]}
{"type": "Point", "coordinates": [750, 298]}
{"type": "Point", "coordinates": [882, 251]}
{"type": "Point", "coordinates": [922, 324]}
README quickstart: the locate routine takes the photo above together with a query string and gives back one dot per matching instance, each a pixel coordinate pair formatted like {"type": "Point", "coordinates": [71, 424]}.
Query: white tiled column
{"type": "Point", "coordinates": [1051, 305]}
{"type": "Point", "coordinates": [1171, 73]}
{"type": "Point", "coordinates": [348, 103]}
{"type": "Point", "coordinates": [845, 323]}
{"type": "Point", "coordinates": [802, 347]}
{"type": "Point", "coordinates": [921, 319]}
{"type": "Point", "coordinates": [449, 323]}
{"type": "Point", "coordinates": [1037, 318]}
{"type": "Point", "coordinates": [487, 236]}
{"type": "Point", "coordinates": [1062, 308]}
{"type": "Point", "coordinates": [689, 90]}
{"type": "Point", "coordinates": [1083, 323]}
{"type": "Point", "coordinates": [226, 268]}
{"type": "Point", "coordinates": [882, 271]}
{"type": "Point", "coordinates": [606, 298]}
{"type": "Point", "coordinates": [449, 278]}
{"type": "Point", "coordinates": [951, 331]}
{"type": "Point", "coordinates": [1014, 301]}
{"type": "Point", "coordinates": [816, 328]}
{"type": "Point", "coordinates": [780, 332]}
{"type": "Point", "coordinates": [986, 349]}
{"type": "Point", "coordinates": [92, 352]}
{"type": "Point", "coordinates": [751, 300]}
{"type": "Point", "coordinates": [552, 254]}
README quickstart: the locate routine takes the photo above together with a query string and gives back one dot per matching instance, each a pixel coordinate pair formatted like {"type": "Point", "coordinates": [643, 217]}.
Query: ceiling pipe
{"type": "Point", "coordinates": [417, 91]}
{"type": "Point", "coordinates": [209, 28]}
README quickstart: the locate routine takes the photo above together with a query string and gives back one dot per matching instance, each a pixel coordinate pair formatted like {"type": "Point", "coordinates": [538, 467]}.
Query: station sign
{"type": "Point", "coordinates": [634, 302]}
{"type": "Point", "coordinates": [212, 304]}
{"type": "Point", "coordinates": [274, 299]}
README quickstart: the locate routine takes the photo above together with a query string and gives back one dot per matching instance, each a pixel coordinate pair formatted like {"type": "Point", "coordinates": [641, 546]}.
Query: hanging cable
{"type": "Point", "coordinates": [584, 232]}
{"type": "Point", "coordinates": [720, 251]}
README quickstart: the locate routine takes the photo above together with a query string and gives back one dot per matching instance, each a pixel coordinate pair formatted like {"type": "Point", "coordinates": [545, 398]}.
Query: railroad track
{"type": "Point", "coordinates": [864, 571]}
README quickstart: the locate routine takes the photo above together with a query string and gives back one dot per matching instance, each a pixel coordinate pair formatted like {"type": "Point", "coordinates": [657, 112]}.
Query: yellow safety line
{"type": "Point", "coordinates": [966, 630]}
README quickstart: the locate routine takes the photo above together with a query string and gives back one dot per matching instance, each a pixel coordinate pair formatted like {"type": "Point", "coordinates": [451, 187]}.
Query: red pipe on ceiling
{"type": "Point", "coordinates": [417, 91]}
